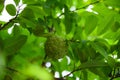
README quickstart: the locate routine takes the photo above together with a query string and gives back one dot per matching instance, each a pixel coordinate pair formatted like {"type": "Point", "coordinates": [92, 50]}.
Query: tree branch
{"type": "Point", "coordinates": [78, 69]}
{"type": "Point", "coordinates": [11, 20]}
{"type": "Point", "coordinates": [92, 3]}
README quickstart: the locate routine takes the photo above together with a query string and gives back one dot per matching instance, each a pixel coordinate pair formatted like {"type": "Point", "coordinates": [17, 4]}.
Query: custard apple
{"type": "Point", "coordinates": [55, 47]}
{"type": "Point", "coordinates": [38, 30]}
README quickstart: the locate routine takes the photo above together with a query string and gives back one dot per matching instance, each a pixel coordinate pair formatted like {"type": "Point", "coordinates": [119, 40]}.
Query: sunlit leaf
{"type": "Point", "coordinates": [113, 3]}
{"type": "Point", "coordinates": [91, 23]}
{"type": "Point", "coordinates": [38, 72]}
{"type": "Point", "coordinates": [90, 28]}
{"type": "Point", "coordinates": [105, 24]}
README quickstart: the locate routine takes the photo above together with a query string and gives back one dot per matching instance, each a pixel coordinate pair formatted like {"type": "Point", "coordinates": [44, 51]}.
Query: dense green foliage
{"type": "Point", "coordinates": [90, 30]}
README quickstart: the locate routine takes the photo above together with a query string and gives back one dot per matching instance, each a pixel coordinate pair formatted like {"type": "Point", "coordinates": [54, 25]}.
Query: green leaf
{"type": "Point", "coordinates": [1, 44]}
{"type": "Point", "coordinates": [26, 22]}
{"type": "Point", "coordinates": [13, 44]}
{"type": "Point", "coordinates": [9, 25]}
{"type": "Point", "coordinates": [11, 9]}
{"type": "Point", "coordinates": [27, 13]}
{"type": "Point", "coordinates": [102, 10]}
{"type": "Point", "coordinates": [16, 2]}
{"type": "Point", "coordinates": [57, 26]}
{"type": "Point", "coordinates": [111, 61]}
{"type": "Point", "coordinates": [35, 70]}
{"type": "Point", "coordinates": [16, 30]}
{"type": "Point", "coordinates": [37, 11]}
{"type": "Point", "coordinates": [28, 1]}
{"type": "Point", "coordinates": [90, 24]}
{"type": "Point", "coordinates": [70, 20]}
{"type": "Point", "coordinates": [115, 27]}
{"type": "Point", "coordinates": [84, 75]}
{"type": "Point", "coordinates": [113, 36]}
{"type": "Point", "coordinates": [93, 64]}
{"type": "Point", "coordinates": [97, 72]}
{"type": "Point", "coordinates": [2, 67]}
{"type": "Point", "coordinates": [113, 3]}
{"type": "Point", "coordinates": [105, 24]}
{"type": "Point", "coordinates": [92, 76]}
{"type": "Point", "coordinates": [99, 49]}
{"type": "Point", "coordinates": [117, 78]}
{"type": "Point", "coordinates": [1, 5]}
{"type": "Point", "coordinates": [102, 42]}
{"type": "Point", "coordinates": [78, 33]}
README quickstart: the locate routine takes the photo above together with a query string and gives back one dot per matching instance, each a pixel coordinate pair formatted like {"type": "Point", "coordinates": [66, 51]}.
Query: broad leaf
{"type": "Point", "coordinates": [70, 20]}
{"type": "Point", "coordinates": [28, 13]}
{"type": "Point", "coordinates": [11, 9]}
{"type": "Point", "coordinates": [105, 24]}
{"type": "Point", "coordinates": [90, 24]}
{"type": "Point", "coordinates": [111, 61]}
{"type": "Point", "coordinates": [97, 71]}
{"type": "Point", "coordinates": [13, 44]}
{"type": "Point", "coordinates": [113, 3]}
{"type": "Point", "coordinates": [93, 64]}
{"type": "Point", "coordinates": [99, 49]}
{"type": "Point", "coordinates": [116, 26]}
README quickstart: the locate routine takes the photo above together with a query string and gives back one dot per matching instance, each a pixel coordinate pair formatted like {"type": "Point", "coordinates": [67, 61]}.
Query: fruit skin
{"type": "Point", "coordinates": [38, 30]}
{"type": "Point", "coordinates": [55, 47]}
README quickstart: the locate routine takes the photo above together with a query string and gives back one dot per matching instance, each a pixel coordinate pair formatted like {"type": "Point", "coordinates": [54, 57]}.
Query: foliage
{"type": "Point", "coordinates": [92, 39]}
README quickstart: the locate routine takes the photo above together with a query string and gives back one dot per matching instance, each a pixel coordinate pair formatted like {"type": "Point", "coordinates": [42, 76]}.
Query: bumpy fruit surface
{"type": "Point", "coordinates": [55, 47]}
{"type": "Point", "coordinates": [38, 30]}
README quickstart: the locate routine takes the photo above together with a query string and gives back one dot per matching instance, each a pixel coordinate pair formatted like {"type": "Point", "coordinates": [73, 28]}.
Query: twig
{"type": "Point", "coordinates": [72, 72]}
{"type": "Point", "coordinates": [11, 20]}
{"type": "Point", "coordinates": [92, 3]}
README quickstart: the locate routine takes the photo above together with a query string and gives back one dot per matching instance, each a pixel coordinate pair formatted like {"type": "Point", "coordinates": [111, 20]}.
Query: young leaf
{"type": "Point", "coordinates": [11, 9]}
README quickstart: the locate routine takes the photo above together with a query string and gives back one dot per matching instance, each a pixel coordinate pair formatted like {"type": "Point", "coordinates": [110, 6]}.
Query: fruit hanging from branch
{"type": "Point", "coordinates": [55, 47]}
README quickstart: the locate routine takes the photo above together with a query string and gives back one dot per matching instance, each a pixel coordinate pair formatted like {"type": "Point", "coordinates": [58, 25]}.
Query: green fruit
{"type": "Point", "coordinates": [38, 30]}
{"type": "Point", "coordinates": [55, 47]}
